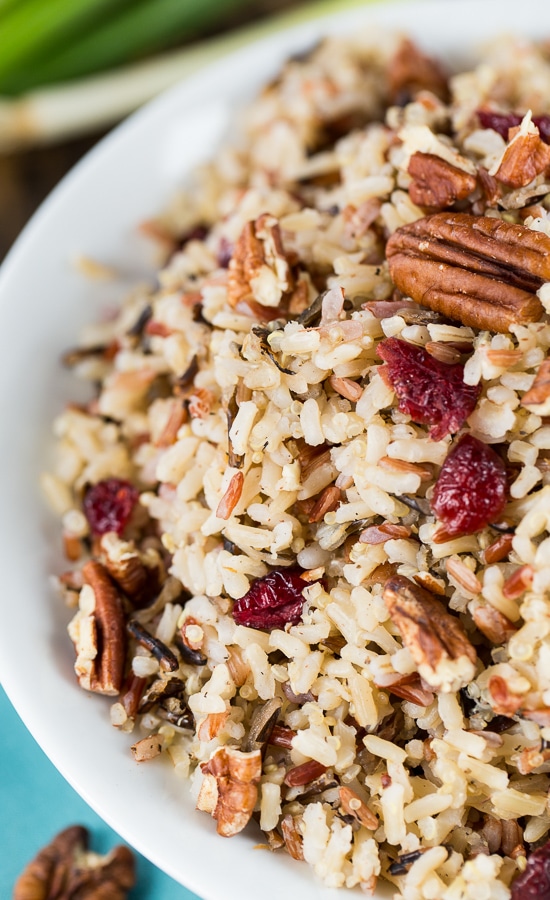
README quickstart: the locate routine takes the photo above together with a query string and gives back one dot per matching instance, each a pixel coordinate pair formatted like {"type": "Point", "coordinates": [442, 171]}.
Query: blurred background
{"type": "Point", "coordinates": [71, 69]}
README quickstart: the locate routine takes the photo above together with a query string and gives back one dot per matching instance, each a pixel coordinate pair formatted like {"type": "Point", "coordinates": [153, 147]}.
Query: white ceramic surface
{"type": "Point", "coordinates": [43, 303]}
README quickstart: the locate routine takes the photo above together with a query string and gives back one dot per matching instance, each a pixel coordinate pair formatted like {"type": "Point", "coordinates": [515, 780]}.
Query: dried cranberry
{"type": "Point", "coordinates": [273, 601]}
{"type": "Point", "coordinates": [225, 252]}
{"type": "Point", "coordinates": [197, 233]}
{"type": "Point", "coordinates": [471, 489]}
{"type": "Point", "coordinates": [502, 122]}
{"type": "Point", "coordinates": [534, 883]}
{"type": "Point", "coordinates": [108, 505]}
{"type": "Point", "coordinates": [429, 391]}
{"type": "Point", "coordinates": [543, 125]}
{"type": "Point", "coordinates": [499, 122]}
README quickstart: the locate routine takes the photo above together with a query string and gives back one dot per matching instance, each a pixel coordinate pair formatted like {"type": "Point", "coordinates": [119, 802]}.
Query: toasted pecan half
{"type": "Point", "coordinates": [479, 270]}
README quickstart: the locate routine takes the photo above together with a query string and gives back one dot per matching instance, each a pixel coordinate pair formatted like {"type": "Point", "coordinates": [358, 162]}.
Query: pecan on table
{"type": "Point", "coordinates": [437, 183]}
{"type": "Point", "coordinates": [99, 634]}
{"type": "Point", "coordinates": [229, 790]}
{"type": "Point", "coordinates": [259, 269]}
{"type": "Point", "coordinates": [65, 869]}
{"type": "Point", "coordinates": [437, 642]}
{"type": "Point", "coordinates": [479, 270]}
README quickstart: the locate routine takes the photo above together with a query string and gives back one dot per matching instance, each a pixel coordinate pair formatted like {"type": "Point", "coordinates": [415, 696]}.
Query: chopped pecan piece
{"type": "Point", "coordinates": [537, 398]}
{"type": "Point", "coordinates": [65, 869]}
{"type": "Point", "coordinates": [136, 573]}
{"type": "Point", "coordinates": [503, 701]}
{"type": "Point", "coordinates": [437, 642]}
{"type": "Point", "coordinates": [379, 575]}
{"type": "Point", "coordinates": [229, 791]}
{"type": "Point", "coordinates": [211, 725]}
{"type": "Point", "coordinates": [274, 841]}
{"type": "Point", "coordinates": [436, 182]}
{"type": "Point", "coordinates": [259, 269]}
{"type": "Point", "coordinates": [482, 271]}
{"type": "Point", "coordinates": [492, 190]}
{"type": "Point", "coordinates": [327, 501]}
{"type": "Point", "coordinates": [292, 837]}
{"type": "Point", "coordinates": [411, 71]}
{"type": "Point", "coordinates": [99, 634]}
{"type": "Point", "coordinates": [525, 157]}
{"type": "Point", "coordinates": [359, 219]}
{"type": "Point", "coordinates": [531, 758]}
{"type": "Point", "coordinates": [148, 747]}
{"type": "Point", "coordinates": [200, 403]}
{"type": "Point", "coordinates": [432, 584]}
{"type": "Point", "coordinates": [237, 665]}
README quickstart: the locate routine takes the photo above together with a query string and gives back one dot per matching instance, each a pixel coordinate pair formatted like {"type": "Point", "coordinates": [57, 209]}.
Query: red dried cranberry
{"type": "Point", "coordinates": [225, 252]}
{"type": "Point", "coordinates": [429, 391]}
{"type": "Point", "coordinates": [534, 883]}
{"type": "Point", "coordinates": [471, 489]}
{"type": "Point", "coordinates": [197, 233]}
{"type": "Point", "coordinates": [502, 122]}
{"type": "Point", "coordinates": [543, 125]}
{"type": "Point", "coordinates": [273, 601]}
{"type": "Point", "coordinates": [108, 505]}
{"type": "Point", "coordinates": [499, 122]}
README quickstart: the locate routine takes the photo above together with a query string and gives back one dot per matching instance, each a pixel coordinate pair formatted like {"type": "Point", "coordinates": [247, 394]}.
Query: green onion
{"type": "Point", "coordinates": [47, 41]}
{"type": "Point", "coordinates": [33, 25]}
{"type": "Point", "coordinates": [6, 5]}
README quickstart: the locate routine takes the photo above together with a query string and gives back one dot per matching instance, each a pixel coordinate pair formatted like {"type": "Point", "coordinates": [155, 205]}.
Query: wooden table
{"type": "Point", "coordinates": [27, 177]}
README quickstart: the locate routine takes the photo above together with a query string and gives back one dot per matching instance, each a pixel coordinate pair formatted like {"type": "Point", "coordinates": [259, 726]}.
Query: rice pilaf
{"type": "Point", "coordinates": [308, 507]}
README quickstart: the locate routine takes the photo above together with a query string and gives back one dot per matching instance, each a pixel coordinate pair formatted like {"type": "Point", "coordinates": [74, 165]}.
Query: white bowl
{"type": "Point", "coordinates": [43, 303]}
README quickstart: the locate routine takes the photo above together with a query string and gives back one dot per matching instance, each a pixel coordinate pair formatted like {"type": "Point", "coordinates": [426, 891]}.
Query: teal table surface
{"type": "Point", "coordinates": [36, 802]}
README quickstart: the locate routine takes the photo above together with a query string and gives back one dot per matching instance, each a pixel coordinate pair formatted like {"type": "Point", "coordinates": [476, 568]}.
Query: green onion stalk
{"type": "Point", "coordinates": [50, 41]}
